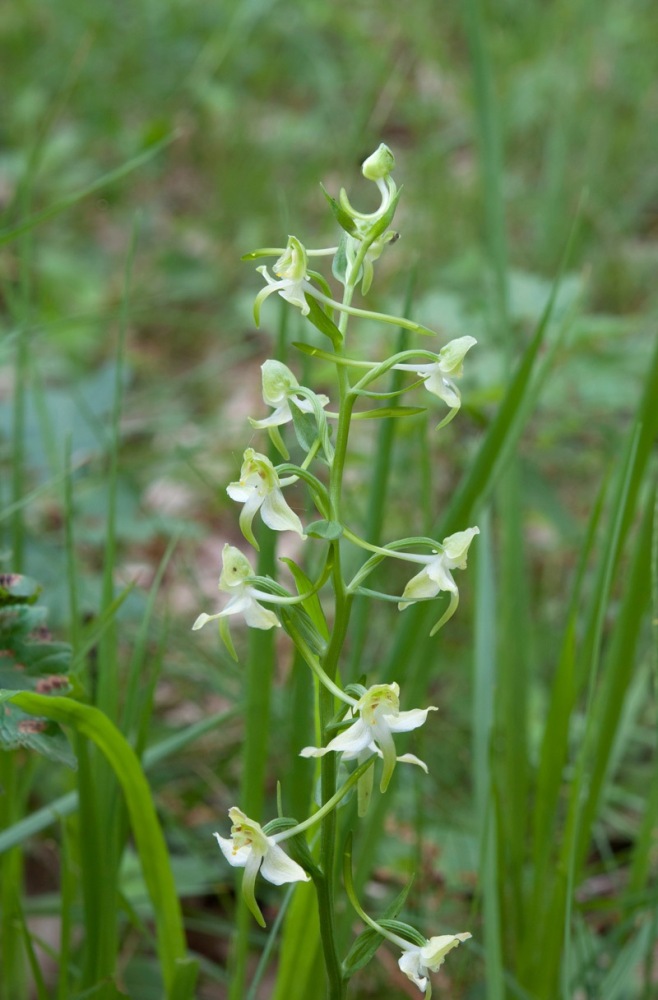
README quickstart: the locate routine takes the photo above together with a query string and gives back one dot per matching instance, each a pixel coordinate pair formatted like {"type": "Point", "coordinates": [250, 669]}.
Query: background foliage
{"type": "Point", "coordinates": [129, 363]}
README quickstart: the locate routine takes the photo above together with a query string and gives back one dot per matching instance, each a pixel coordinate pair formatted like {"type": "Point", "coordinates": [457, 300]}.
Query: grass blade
{"type": "Point", "coordinates": [95, 726]}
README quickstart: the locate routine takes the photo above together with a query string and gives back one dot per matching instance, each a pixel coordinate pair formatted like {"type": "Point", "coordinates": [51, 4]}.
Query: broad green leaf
{"type": "Point", "coordinates": [30, 661]}
{"type": "Point", "coordinates": [18, 589]}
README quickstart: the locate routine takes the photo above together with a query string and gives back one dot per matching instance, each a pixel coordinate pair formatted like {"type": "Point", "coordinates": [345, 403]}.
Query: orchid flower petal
{"type": "Point", "coordinates": [250, 848]}
{"type": "Point", "coordinates": [278, 515]}
{"type": "Point", "coordinates": [444, 388]}
{"type": "Point", "coordinates": [278, 868]}
{"type": "Point", "coordinates": [352, 741]}
{"type": "Point", "coordinates": [259, 488]}
{"type": "Point", "coordinates": [404, 722]}
{"type": "Point", "coordinates": [378, 718]}
{"type": "Point", "coordinates": [417, 961]}
{"type": "Point", "coordinates": [256, 616]}
{"type": "Point", "coordinates": [435, 575]}
{"type": "Point", "coordinates": [236, 570]}
{"type": "Point", "coordinates": [290, 269]}
{"type": "Point", "coordinates": [439, 375]}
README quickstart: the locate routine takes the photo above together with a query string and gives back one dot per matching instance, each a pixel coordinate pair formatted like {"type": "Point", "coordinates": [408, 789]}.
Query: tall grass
{"type": "Point", "coordinates": [538, 826]}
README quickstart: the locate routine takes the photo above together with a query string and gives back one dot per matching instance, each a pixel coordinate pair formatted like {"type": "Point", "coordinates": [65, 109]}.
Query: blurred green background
{"type": "Point", "coordinates": [508, 120]}
{"type": "Point", "coordinates": [504, 118]}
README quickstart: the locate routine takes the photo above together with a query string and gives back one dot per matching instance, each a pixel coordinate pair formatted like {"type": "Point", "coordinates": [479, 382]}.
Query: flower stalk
{"type": "Point", "coordinates": [371, 716]}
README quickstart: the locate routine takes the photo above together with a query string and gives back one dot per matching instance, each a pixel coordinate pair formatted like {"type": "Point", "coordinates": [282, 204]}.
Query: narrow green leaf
{"type": "Point", "coordinates": [312, 604]}
{"type": "Point", "coordinates": [329, 530]}
{"type": "Point", "coordinates": [94, 725]}
{"type": "Point", "coordinates": [343, 218]}
{"type": "Point", "coordinates": [63, 806]}
{"type": "Point", "coordinates": [321, 321]}
{"type": "Point", "coordinates": [300, 969]}
{"type": "Point", "coordinates": [485, 680]}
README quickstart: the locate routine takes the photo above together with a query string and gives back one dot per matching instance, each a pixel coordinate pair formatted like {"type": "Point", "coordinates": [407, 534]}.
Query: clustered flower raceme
{"type": "Point", "coordinates": [372, 717]}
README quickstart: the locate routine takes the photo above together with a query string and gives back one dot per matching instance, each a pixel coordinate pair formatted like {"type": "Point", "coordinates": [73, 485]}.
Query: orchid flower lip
{"type": "Point", "coordinates": [249, 847]}
{"type": "Point", "coordinates": [234, 580]}
{"type": "Point", "coordinates": [436, 576]}
{"type": "Point", "coordinates": [417, 961]}
{"type": "Point", "coordinates": [280, 387]}
{"type": "Point", "coordinates": [379, 717]}
{"type": "Point", "coordinates": [259, 489]}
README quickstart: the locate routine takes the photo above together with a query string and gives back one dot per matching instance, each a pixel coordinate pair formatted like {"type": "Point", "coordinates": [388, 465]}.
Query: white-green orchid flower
{"type": "Point", "coordinates": [379, 716]}
{"type": "Point", "coordinates": [259, 488]}
{"type": "Point", "coordinates": [436, 575]}
{"type": "Point", "coordinates": [293, 281]}
{"type": "Point", "coordinates": [418, 961]}
{"type": "Point", "coordinates": [236, 569]}
{"type": "Point", "coordinates": [439, 375]}
{"type": "Point", "coordinates": [249, 847]}
{"type": "Point", "coordinates": [279, 387]}
{"type": "Point", "coordinates": [373, 253]}
{"type": "Point", "coordinates": [365, 784]}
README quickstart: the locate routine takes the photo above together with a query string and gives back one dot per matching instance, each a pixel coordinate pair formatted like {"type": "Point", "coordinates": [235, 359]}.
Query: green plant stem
{"type": "Point", "coordinates": [12, 980]}
{"type": "Point", "coordinates": [325, 886]}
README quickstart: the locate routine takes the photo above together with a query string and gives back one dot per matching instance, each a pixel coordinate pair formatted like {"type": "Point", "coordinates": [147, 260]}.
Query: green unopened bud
{"type": "Point", "coordinates": [379, 164]}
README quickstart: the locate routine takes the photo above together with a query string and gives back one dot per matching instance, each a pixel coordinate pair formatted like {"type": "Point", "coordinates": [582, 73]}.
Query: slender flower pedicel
{"type": "Point", "coordinates": [357, 719]}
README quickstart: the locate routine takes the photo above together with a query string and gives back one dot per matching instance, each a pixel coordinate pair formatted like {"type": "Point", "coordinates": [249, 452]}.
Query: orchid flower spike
{"type": "Point", "coordinates": [418, 961]}
{"type": "Point", "coordinates": [291, 271]}
{"type": "Point", "coordinates": [439, 374]}
{"type": "Point", "coordinates": [436, 575]}
{"type": "Point", "coordinates": [379, 716]}
{"type": "Point", "coordinates": [236, 569]}
{"type": "Point", "coordinates": [259, 488]}
{"type": "Point", "coordinates": [250, 848]}
{"type": "Point", "coordinates": [279, 387]}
